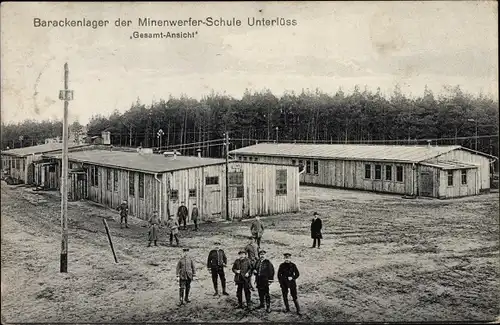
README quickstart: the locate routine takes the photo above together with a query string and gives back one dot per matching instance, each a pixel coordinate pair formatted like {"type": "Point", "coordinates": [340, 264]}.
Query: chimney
{"type": "Point", "coordinates": [199, 153]}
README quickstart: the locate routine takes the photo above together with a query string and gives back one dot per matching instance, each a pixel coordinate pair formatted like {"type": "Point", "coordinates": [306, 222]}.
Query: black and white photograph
{"type": "Point", "coordinates": [252, 162]}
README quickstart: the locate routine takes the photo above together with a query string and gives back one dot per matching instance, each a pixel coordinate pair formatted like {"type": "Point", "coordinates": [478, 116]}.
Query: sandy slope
{"type": "Point", "coordinates": [383, 259]}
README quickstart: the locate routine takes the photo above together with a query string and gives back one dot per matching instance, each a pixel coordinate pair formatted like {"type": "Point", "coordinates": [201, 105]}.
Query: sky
{"type": "Point", "coordinates": [332, 45]}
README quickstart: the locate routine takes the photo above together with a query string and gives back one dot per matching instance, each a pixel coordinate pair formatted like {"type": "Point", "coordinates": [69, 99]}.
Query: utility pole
{"type": "Point", "coordinates": [276, 134]}
{"type": "Point", "coordinates": [65, 95]}
{"type": "Point", "coordinates": [227, 174]}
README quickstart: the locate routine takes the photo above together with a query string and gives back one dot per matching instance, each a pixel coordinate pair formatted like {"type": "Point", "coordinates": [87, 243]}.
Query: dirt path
{"type": "Point", "coordinates": [383, 259]}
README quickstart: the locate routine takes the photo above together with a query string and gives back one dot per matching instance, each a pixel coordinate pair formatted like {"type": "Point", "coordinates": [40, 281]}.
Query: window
{"type": "Point", "coordinates": [464, 177]}
{"type": "Point", "coordinates": [141, 185]}
{"type": "Point", "coordinates": [192, 193]}
{"type": "Point", "coordinates": [293, 161]}
{"type": "Point", "coordinates": [115, 180]}
{"type": "Point", "coordinates": [52, 168]}
{"type": "Point", "coordinates": [368, 171]}
{"type": "Point", "coordinates": [23, 165]}
{"type": "Point", "coordinates": [235, 185]}
{"type": "Point", "coordinates": [174, 195]}
{"type": "Point", "coordinates": [281, 182]}
{"type": "Point", "coordinates": [212, 180]}
{"type": "Point", "coordinates": [239, 158]}
{"type": "Point", "coordinates": [17, 163]}
{"type": "Point", "coordinates": [315, 165]}
{"type": "Point", "coordinates": [131, 183]}
{"type": "Point", "coordinates": [244, 158]}
{"type": "Point", "coordinates": [378, 172]}
{"type": "Point", "coordinates": [450, 178]}
{"type": "Point", "coordinates": [255, 159]}
{"type": "Point", "coordinates": [388, 173]}
{"type": "Point", "coordinates": [108, 179]}
{"type": "Point", "coordinates": [399, 173]}
{"type": "Point", "coordinates": [308, 166]}
{"type": "Point", "coordinates": [94, 176]}
{"type": "Point", "coordinates": [301, 165]}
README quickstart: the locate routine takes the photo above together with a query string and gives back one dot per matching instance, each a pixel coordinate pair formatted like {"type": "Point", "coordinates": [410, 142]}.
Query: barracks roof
{"type": "Point", "coordinates": [40, 149]}
{"type": "Point", "coordinates": [397, 153]}
{"type": "Point", "coordinates": [153, 163]}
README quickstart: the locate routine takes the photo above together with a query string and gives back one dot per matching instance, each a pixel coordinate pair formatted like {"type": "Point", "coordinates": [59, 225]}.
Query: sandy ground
{"type": "Point", "coordinates": [383, 258]}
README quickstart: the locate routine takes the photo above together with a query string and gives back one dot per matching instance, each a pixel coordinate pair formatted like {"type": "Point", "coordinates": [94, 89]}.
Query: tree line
{"type": "Point", "coordinates": [362, 116]}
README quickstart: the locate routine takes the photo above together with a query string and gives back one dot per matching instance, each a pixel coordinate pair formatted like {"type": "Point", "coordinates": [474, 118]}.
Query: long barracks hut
{"type": "Point", "coordinates": [441, 172]}
{"type": "Point", "coordinates": [19, 162]}
{"type": "Point", "coordinates": [156, 182]}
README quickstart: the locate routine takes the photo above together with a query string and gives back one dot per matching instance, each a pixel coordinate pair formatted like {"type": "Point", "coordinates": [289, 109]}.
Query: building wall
{"type": "Point", "coordinates": [15, 167]}
{"type": "Point", "coordinates": [348, 174]}
{"type": "Point", "coordinates": [471, 158]}
{"type": "Point", "coordinates": [458, 189]}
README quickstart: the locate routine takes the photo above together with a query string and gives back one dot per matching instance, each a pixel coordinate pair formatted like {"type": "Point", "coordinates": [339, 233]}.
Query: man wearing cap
{"type": "Point", "coordinates": [123, 209]}
{"type": "Point", "coordinates": [287, 274]}
{"type": "Point", "coordinates": [242, 269]}
{"type": "Point", "coordinates": [194, 216]}
{"type": "Point", "coordinates": [182, 214]}
{"type": "Point", "coordinates": [264, 275]}
{"type": "Point", "coordinates": [185, 273]}
{"type": "Point", "coordinates": [173, 226]}
{"type": "Point", "coordinates": [257, 229]}
{"type": "Point", "coordinates": [154, 228]}
{"type": "Point", "coordinates": [216, 262]}
{"type": "Point", "coordinates": [316, 226]}
{"type": "Point", "coordinates": [252, 252]}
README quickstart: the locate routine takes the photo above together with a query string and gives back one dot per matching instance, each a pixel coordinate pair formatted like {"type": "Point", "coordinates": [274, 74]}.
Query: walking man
{"type": "Point", "coordinates": [182, 214]}
{"type": "Point", "coordinates": [287, 274]}
{"type": "Point", "coordinates": [316, 227]}
{"type": "Point", "coordinates": [242, 269]}
{"type": "Point", "coordinates": [257, 229]}
{"type": "Point", "coordinates": [264, 274]}
{"type": "Point", "coordinates": [185, 273]}
{"type": "Point", "coordinates": [154, 228]}
{"type": "Point", "coordinates": [123, 209]}
{"type": "Point", "coordinates": [216, 263]}
{"type": "Point", "coordinates": [173, 226]}
{"type": "Point", "coordinates": [252, 252]}
{"type": "Point", "coordinates": [194, 216]}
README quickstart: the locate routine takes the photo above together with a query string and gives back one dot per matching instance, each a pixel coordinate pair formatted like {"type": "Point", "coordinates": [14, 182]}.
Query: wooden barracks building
{"type": "Point", "coordinates": [440, 172]}
{"type": "Point", "coordinates": [156, 182]}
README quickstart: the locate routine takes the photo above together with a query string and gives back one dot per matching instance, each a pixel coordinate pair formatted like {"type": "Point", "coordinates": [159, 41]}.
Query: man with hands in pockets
{"type": "Point", "coordinates": [185, 273]}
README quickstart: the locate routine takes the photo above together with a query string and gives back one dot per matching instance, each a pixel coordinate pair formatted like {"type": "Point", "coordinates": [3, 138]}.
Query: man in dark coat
{"type": "Point", "coordinates": [123, 209]}
{"type": "Point", "coordinates": [316, 227]}
{"type": "Point", "coordinates": [194, 216]}
{"type": "Point", "coordinates": [182, 214]}
{"type": "Point", "coordinates": [287, 274]}
{"type": "Point", "coordinates": [185, 273]}
{"type": "Point", "coordinates": [216, 263]}
{"type": "Point", "coordinates": [242, 269]}
{"type": "Point", "coordinates": [264, 275]}
{"type": "Point", "coordinates": [154, 228]}
{"type": "Point", "coordinates": [257, 230]}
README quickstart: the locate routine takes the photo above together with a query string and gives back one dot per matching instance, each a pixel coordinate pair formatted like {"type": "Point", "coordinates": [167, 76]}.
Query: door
{"type": "Point", "coordinates": [426, 183]}
{"type": "Point", "coordinates": [212, 203]}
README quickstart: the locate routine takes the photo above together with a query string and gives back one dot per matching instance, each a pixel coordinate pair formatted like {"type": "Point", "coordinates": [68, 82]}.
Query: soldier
{"type": "Point", "coordinates": [194, 216]}
{"type": "Point", "coordinates": [287, 274]}
{"type": "Point", "coordinates": [257, 229]}
{"type": "Point", "coordinates": [154, 228]}
{"type": "Point", "coordinates": [216, 263]}
{"type": "Point", "coordinates": [252, 252]}
{"type": "Point", "coordinates": [316, 227]}
{"type": "Point", "coordinates": [185, 273]}
{"type": "Point", "coordinates": [174, 230]}
{"type": "Point", "coordinates": [182, 214]}
{"type": "Point", "coordinates": [242, 269]}
{"type": "Point", "coordinates": [123, 209]}
{"type": "Point", "coordinates": [264, 274]}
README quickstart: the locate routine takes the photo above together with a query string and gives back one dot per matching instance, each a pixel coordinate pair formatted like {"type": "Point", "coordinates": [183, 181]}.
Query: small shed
{"type": "Point", "coordinates": [433, 171]}
{"type": "Point", "coordinates": [19, 163]}
{"type": "Point", "coordinates": [155, 182]}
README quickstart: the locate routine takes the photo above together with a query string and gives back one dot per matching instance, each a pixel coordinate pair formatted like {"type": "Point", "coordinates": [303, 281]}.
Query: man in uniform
{"type": "Point", "coordinates": [154, 228]}
{"type": "Point", "coordinates": [264, 275]}
{"type": "Point", "coordinates": [316, 227]}
{"type": "Point", "coordinates": [216, 263]}
{"type": "Point", "coordinates": [173, 226]}
{"type": "Point", "coordinates": [242, 269]}
{"type": "Point", "coordinates": [252, 252]}
{"type": "Point", "coordinates": [194, 216]}
{"type": "Point", "coordinates": [123, 209]}
{"type": "Point", "coordinates": [182, 214]}
{"type": "Point", "coordinates": [185, 273]}
{"type": "Point", "coordinates": [287, 274]}
{"type": "Point", "coordinates": [257, 229]}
